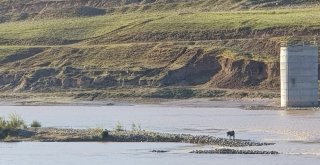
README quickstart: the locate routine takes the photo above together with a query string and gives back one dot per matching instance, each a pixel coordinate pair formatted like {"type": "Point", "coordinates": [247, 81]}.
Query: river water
{"type": "Point", "coordinates": [296, 134]}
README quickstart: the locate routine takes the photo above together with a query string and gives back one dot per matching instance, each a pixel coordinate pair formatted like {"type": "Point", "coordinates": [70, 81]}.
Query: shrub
{"type": "Point", "coordinates": [104, 134]}
{"type": "Point", "coordinates": [15, 122]}
{"type": "Point", "coordinates": [35, 124]}
{"type": "Point", "coordinates": [135, 127]}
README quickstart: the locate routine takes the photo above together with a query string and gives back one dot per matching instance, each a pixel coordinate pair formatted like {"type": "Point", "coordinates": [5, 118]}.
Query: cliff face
{"type": "Point", "coordinates": [188, 67]}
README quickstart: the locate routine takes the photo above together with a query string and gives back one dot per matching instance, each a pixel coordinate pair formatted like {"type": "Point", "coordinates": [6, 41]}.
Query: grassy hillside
{"type": "Point", "coordinates": [86, 45]}
{"type": "Point", "coordinates": [119, 26]}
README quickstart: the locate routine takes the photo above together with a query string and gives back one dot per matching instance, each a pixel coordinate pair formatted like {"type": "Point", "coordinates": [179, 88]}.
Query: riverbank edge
{"type": "Point", "coordinates": [67, 99]}
{"type": "Point", "coordinates": [36, 99]}
{"type": "Point", "coordinates": [131, 96]}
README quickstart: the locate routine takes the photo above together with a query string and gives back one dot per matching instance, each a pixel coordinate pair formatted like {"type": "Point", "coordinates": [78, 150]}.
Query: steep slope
{"type": "Point", "coordinates": [131, 66]}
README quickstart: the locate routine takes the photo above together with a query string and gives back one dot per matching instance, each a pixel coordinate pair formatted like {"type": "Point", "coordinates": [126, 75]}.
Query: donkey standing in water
{"type": "Point", "coordinates": [231, 134]}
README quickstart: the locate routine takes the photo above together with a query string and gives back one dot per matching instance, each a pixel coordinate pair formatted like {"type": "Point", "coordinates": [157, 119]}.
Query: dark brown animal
{"type": "Point", "coordinates": [231, 134]}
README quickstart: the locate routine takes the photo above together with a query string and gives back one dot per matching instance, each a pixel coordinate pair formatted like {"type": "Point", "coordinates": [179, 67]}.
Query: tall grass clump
{"type": "Point", "coordinates": [14, 122]}
{"type": "Point", "coordinates": [118, 127]}
{"type": "Point", "coordinates": [3, 123]}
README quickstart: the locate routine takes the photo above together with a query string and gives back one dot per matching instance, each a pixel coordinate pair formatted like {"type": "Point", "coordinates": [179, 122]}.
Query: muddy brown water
{"type": "Point", "coordinates": [296, 134]}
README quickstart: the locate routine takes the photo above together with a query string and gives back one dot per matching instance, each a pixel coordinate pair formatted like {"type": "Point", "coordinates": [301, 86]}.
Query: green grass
{"type": "Point", "coordinates": [68, 28]}
{"type": "Point", "coordinates": [234, 20]}
{"type": "Point", "coordinates": [136, 22]}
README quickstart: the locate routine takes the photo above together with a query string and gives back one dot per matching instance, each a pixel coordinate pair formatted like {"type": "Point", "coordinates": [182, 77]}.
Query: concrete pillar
{"type": "Point", "coordinates": [299, 75]}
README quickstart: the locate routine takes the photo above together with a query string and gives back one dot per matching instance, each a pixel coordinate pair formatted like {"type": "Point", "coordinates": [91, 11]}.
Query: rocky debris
{"type": "Point", "coordinates": [55, 134]}
{"type": "Point", "coordinates": [233, 151]}
{"type": "Point", "coordinates": [145, 136]}
{"type": "Point", "coordinates": [159, 151]}
{"type": "Point", "coordinates": [65, 135]}
{"type": "Point", "coordinates": [19, 133]}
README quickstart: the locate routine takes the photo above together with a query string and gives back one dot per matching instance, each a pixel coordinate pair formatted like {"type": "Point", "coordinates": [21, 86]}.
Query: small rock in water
{"type": "Point", "coordinates": [159, 151]}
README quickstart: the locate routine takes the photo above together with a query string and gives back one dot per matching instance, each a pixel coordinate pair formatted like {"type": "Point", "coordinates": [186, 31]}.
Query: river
{"type": "Point", "coordinates": [296, 134]}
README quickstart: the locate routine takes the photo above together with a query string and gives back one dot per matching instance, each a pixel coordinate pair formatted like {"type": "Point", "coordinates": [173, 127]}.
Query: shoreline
{"type": "Point", "coordinates": [244, 103]}
{"type": "Point", "coordinates": [139, 96]}
{"type": "Point", "coordinates": [221, 102]}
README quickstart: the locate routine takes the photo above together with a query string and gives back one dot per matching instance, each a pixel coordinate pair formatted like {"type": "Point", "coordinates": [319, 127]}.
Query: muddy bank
{"type": "Point", "coordinates": [27, 99]}
{"type": "Point", "coordinates": [87, 135]}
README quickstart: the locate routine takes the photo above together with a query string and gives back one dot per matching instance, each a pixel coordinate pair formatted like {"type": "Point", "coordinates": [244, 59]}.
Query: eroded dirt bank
{"type": "Point", "coordinates": [189, 67]}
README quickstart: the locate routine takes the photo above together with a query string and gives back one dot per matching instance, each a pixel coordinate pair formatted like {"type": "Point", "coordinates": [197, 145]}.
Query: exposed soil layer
{"type": "Point", "coordinates": [52, 69]}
